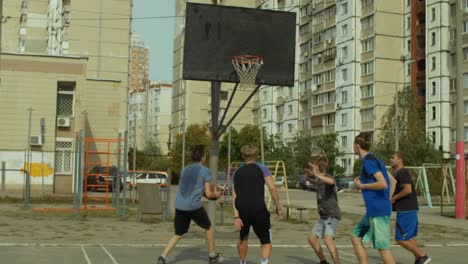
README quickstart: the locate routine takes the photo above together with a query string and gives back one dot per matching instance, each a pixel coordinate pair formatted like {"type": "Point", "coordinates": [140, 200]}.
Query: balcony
{"type": "Point", "coordinates": [304, 96]}
{"type": "Point", "coordinates": [279, 100]}
{"type": "Point", "coordinates": [256, 104]}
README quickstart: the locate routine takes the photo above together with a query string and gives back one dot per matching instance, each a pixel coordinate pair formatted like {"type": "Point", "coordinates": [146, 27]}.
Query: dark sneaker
{"type": "Point", "coordinates": [161, 260]}
{"type": "Point", "coordinates": [218, 258]}
{"type": "Point", "coordinates": [423, 260]}
{"type": "Point", "coordinates": [324, 262]}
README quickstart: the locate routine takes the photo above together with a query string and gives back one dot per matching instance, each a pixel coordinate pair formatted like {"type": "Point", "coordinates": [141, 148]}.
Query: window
{"type": "Point", "coordinates": [434, 88]}
{"type": "Point", "coordinates": [290, 128]}
{"type": "Point", "coordinates": [264, 113]}
{"type": "Point", "coordinates": [265, 95]}
{"type": "Point", "coordinates": [224, 95]}
{"type": "Point", "coordinates": [367, 67]}
{"type": "Point", "coordinates": [344, 164]}
{"type": "Point", "coordinates": [304, 29]}
{"type": "Point", "coordinates": [433, 63]}
{"type": "Point", "coordinates": [344, 8]}
{"type": "Point", "coordinates": [367, 91]}
{"type": "Point", "coordinates": [465, 107]}
{"type": "Point", "coordinates": [433, 38]}
{"type": "Point", "coordinates": [316, 121]}
{"type": "Point", "coordinates": [408, 46]}
{"type": "Point", "coordinates": [465, 80]}
{"type": "Point", "coordinates": [344, 52]}
{"type": "Point", "coordinates": [344, 97]}
{"type": "Point", "coordinates": [344, 119]}
{"type": "Point", "coordinates": [329, 119]}
{"type": "Point", "coordinates": [408, 69]}
{"type": "Point", "coordinates": [344, 141]}
{"type": "Point", "coordinates": [453, 10]}
{"type": "Point", "coordinates": [408, 22]}
{"type": "Point", "coordinates": [466, 133]}
{"type": "Point", "coordinates": [453, 84]}
{"type": "Point", "coordinates": [434, 136]}
{"type": "Point", "coordinates": [434, 113]}
{"type": "Point", "coordinates": [465, 53]}
{"type": "Point", "coordinates": [433, 14]}
{"type": "Point", "coordinates": [63, 155]}
{"type": "Point", "coordinates": [453, 34]}
{"type": "Point", "coordinates": [367, 115]}
{"type": "Point", "coordinates": [344, 30]}
{"type": "Point", "coordinates": [367, 22]}
{"type": "Point", "coordinates": [464, 3]}
{"type": "Point", "coordinates": [65, 99]}
{"type": "Point", "coordinates": [408, 2]}
{"type": "Point", "coordinates": [290, 110]}
{"type": "Point", "coordinates": [366, 3]}
{"type": "Point", "coordinates": [368, 44]}
{"type": "Point", "coordinates": [465, 26]}
{"type": "Point", "coordinates": [279, 128]}
{"type": "Point", "coordinates": [344, 74]}
{"type": "Point", "coordinates": [454, 135]}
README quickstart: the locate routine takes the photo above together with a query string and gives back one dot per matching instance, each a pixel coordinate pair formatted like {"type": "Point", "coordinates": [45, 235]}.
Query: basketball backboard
{"type": "Point", "coordinates": [214, 34]}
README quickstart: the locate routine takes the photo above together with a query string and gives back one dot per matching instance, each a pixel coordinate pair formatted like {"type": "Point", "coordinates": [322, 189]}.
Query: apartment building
{"type": "Point", "coordinates": [191, 100]}
{"type": "Point", "coordinates": [442, 61]}
{"type": "Point", "coordinates": [275, 108]}
{"type": "Point", "coordinates": [139, 64]}
{"type": "Point", "coordinates": [150, 116]}
{"type": "Point", "coordinates": [69, 62]}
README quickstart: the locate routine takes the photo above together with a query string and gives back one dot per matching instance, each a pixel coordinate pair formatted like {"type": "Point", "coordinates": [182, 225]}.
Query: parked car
{"type": "Point", "coordinates": [98, 177]}
{"type": "Point", "coordinates": [344, 183]}
{"type": "Point", "coordinates": [154, 177]}
{"type": "Point", "coordinates": [306, 185]}
{"type": "Point", "coordinates": [279, 181]}
{"type": "Point", "coordinates": [223, 185]}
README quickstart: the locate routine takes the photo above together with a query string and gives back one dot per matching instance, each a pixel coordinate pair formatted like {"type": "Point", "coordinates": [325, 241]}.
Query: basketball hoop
{"type": "Point", "coordinates": [247, 67]}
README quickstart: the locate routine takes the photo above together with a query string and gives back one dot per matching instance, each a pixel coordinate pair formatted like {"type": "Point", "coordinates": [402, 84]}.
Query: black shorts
{"type": "Point", "coordinates": [259, 221]}
{"type": "Point", "coordinates": [182, 220]}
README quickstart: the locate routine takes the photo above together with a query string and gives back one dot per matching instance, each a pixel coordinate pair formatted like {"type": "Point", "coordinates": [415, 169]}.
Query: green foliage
{"type": "Point", "coordinates": [195, 135]}
{"type": "Point", "coordinates": [413, 140]}
{"type": "Point", "coordinates": [150, 158]}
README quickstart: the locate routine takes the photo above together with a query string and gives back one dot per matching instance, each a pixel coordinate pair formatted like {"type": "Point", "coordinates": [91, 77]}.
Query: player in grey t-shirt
{"type": "Point", "coordinates": [327, 204]}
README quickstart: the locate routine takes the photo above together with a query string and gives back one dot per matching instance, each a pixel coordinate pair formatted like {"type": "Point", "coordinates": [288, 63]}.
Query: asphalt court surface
{"type": "Point", "coordinates": [187, 254]}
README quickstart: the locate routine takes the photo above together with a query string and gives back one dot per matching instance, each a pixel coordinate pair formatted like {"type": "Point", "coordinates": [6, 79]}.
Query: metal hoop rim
{"type": "Point", "coordinates": [252, 58]}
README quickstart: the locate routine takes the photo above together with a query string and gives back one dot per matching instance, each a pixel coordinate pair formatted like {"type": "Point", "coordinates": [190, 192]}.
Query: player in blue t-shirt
{"type": "Point", "coordinates": [195, 180]}
{"type": "Point", "coordinates": [374, 183]}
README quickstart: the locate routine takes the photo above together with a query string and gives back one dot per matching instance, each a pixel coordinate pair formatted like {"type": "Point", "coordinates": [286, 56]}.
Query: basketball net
{"type": "Point", "coordinates": [247, 67]}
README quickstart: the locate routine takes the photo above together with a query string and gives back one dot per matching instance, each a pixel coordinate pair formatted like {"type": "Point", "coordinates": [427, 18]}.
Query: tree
{"type": "Point", "coordinates": [413, 140]}
{"type": "Point", "coordinates": [150, 158]}
{"type": "Point", "coordinates": [195, 135]}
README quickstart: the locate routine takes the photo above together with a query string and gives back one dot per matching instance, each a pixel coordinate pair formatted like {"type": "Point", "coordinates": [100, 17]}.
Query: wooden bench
{"type": "Point", "coordinates": [297, 207]}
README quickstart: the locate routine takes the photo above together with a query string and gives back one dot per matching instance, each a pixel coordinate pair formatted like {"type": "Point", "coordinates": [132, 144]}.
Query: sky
{"type": "Point", "coordinates": [157, 35]}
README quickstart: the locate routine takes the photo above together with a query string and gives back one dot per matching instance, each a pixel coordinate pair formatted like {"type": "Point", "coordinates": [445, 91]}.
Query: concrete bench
{"type": "Point", "coordinates": [297, 207]}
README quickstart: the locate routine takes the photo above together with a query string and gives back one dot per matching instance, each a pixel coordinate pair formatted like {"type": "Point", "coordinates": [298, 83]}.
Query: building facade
{"type": "Point", "coordinates": [74, 72]}
{"type": "Point", "coordinates": [139, 64]}
{"type": "Point", "coordinates": [275, 108]}
{"type": "Point", "coordinates": [191, 100]}
{"type": "Point", "coordinates": [150, 116]}
{"type": "Point", "coordinates": [442, 62]}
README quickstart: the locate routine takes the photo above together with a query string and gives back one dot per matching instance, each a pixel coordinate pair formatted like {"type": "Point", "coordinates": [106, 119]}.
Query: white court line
{"type": "Point", "coordinates": [85, 255]}
{"type": "Point", "coordinates": [188, 245]}
{"type": "Point", "coordinates": [369, 259]}
{"type": "Point", "coordinates": [109, 254]}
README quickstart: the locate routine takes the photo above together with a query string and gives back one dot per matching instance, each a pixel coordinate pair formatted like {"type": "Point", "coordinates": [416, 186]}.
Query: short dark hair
{"type": "Point", "coordinates": [363, 140]}
{"type": "Point", "coordinates": [198, 153]}
{"type": "Point", "coordinates": [400, 155]}
{"type": "Point", "coordinates": [320, 160]}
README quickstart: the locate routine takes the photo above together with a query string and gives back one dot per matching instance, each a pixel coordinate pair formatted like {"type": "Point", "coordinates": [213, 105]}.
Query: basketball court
{"type": "Point", "coordinates": [189, 254]}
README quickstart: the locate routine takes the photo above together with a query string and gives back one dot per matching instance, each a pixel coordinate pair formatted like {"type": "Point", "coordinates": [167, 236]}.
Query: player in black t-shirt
{"type": "Point", "coordinates": [248, 202]}
{"type": "Point", "coordinates": [405, 203]}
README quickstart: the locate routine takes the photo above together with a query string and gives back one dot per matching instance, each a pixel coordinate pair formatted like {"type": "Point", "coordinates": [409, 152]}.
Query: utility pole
{"type": "Point", "coordinates": [397, 135]}
{"type": "Point", "coordinates": [460, 196]}
{"type": "Point", "coordinates": [134, 140]}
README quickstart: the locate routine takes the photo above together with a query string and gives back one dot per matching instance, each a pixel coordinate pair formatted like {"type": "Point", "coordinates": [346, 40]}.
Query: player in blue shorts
{"type": "Point", "coordinates": [405, 203]}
